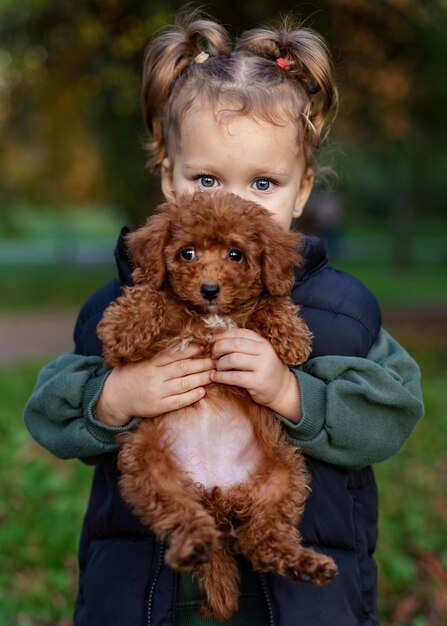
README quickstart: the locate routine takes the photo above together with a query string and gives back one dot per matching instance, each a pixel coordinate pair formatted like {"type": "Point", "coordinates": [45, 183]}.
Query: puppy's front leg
{"type": "Point", "coordinates": [279, 322]}
{"type": "Point", "coordinates": [130, 325]}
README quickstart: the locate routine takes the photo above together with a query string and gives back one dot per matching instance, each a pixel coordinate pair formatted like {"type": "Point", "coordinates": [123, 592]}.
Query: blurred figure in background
{"type": "Point", "coordinates": [322, 217]}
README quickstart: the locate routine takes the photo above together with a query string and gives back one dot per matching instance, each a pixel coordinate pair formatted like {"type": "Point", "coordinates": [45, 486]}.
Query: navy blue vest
{"type": "Point", "coordinates": [123, 578]}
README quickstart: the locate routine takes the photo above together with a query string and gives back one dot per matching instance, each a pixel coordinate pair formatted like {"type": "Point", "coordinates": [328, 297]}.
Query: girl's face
{"type": "Point", "coordinates": [250, 157]}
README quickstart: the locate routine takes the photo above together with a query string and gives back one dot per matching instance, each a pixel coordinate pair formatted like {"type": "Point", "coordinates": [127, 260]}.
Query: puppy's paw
{"type": "Point", "coordinates": [190, 550]}
{"type": "Point", "coordinates": [312, 567]}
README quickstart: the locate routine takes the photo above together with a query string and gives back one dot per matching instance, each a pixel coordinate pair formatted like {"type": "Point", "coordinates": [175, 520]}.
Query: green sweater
{"type": "Point", "coordinates": [355, 412]}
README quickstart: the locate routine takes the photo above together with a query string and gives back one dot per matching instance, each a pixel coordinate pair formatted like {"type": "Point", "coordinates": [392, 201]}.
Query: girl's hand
{"type": "Point", "coordinates": [170, 380]}
{"type": "Point", "coordinates": [245, 359]}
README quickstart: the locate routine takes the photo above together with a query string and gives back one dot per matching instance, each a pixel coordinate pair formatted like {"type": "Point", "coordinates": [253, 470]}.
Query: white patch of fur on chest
{"type": "Point", "coordinates": [213, 322]}
{"type": "Point", "coordinates": [213, 441]}
{"type": "Point", "coordinates": [217, 322]}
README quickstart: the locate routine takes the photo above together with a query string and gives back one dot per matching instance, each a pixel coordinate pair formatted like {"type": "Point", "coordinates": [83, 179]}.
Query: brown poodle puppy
{"type": "Point", "coordinates": [218, 477]}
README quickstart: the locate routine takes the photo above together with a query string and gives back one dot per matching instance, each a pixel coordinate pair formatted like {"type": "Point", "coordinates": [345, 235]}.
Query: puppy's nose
{"type": "Point", "coordinates": [210, 291]}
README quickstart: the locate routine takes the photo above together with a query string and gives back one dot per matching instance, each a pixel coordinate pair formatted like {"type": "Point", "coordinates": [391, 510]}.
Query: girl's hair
{"type": "Point", "coordinates": [273, 74]}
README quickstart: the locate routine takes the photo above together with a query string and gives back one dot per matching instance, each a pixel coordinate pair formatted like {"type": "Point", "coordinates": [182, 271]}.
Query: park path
{"type": "Point", "coordinates": [41, 336]}
{"type": "Point", "coordinates": [25, 336]}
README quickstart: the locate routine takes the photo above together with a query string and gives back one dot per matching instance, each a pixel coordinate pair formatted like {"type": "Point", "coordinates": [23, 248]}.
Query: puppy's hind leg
{"type": "Point", "coordinates": [268, 535]}
{"type": "Point", "coordinates": [165, 499]}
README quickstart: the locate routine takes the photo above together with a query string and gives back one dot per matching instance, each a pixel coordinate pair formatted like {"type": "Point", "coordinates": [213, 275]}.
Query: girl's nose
{"type": "Point", "coordinates": [236, 190]}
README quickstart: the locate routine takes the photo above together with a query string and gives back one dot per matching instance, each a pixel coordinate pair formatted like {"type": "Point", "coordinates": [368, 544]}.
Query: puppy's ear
{"type": "Point", "coordinates": [146, 247]}
{"type": "Point", "coordinates": [279, 258]}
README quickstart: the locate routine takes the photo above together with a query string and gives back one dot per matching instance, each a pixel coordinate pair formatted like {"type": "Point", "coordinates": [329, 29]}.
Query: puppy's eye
{"type": "Point", "coordinates": [235, 255]}
{"type": "Point", "coordinates": [188, 254]}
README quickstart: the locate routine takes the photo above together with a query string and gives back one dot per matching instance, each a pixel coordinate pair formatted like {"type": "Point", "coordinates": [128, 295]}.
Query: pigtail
{"type": "Point", "coordinates": [300, 54]}
{"type": "Point", "coordinates": [167, 58]}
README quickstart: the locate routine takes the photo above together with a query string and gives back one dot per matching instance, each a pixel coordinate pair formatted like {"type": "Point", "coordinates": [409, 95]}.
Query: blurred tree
{"type": "Point", "coordinates": [69, 110]}
{"type": "Point", "coordinates": [71, 129]}
{"type": "Point", "coordinates": [393, 105]}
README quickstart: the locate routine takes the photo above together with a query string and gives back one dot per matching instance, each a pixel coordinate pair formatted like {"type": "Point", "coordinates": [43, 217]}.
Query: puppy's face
{"type": "Point", "coordinates": [214, 274]}
{"type": "Point", "coordinates": [214, 252]}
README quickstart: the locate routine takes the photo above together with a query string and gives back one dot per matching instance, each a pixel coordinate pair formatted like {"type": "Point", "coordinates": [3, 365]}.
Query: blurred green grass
{"type": "Point", "coordinates": [64, 222]}
{"type": "Point", "coordinates": [49, 288]}
{"type": "Point", "coordinates": [41, 507]}
{"type": "Point", "coordinates": [425, 283]}
{"type": "Point", "coordinates": [412, 548]}
{"type": "Point", "coordinates": [43, 501]}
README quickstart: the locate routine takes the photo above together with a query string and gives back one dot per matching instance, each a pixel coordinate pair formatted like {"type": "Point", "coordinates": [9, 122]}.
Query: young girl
{"type": "Point", "coordinates": [244, 120]}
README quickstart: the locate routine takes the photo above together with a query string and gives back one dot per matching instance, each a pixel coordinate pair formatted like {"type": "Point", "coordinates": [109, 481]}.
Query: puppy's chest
{"type": "Point", "coordinates": [179, 331]}
{"type": "Point", "coordinates": [213, 440]}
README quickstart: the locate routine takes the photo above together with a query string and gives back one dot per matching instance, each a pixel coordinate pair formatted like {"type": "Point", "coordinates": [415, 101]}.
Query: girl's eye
{"type": "Point", "coordinates": [207, 181]}
{"type": "Point", "coordinates": [188, 254]}
{"type": "Point", "coordinates": [263, 184]}
{"type": "Point", "coordinates": [235, 255]}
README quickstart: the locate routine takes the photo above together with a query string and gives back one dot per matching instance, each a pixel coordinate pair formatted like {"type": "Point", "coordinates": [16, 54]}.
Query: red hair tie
{"type": "Point", "coordinates": [283, 63]}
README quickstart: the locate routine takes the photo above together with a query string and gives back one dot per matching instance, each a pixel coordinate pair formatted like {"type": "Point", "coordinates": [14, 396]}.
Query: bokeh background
{"type": "Point", "coordinates": [72, 171]}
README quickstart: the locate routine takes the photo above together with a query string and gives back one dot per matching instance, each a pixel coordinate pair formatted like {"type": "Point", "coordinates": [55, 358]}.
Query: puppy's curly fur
{"type": "Point", "coordinates": [218, 477]}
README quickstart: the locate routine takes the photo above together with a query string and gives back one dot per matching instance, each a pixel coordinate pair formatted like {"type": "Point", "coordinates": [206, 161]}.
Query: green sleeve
{"type": "Point", "coordinates": [358, 411]}
{"type": "Point", "coordinates": [60, 412]}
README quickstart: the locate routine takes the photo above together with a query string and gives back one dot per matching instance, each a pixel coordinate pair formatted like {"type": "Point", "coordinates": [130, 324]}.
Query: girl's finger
{"type": "Point", "coordinates": [185, 367]}
{"type": "Point", "coordinates": [236, 344]}
{"type": "Point", "coordinates": [237, 361]}
{"type": "Point", "coordinates": [179, 401]}
{"type": "Point", "coordinates": [238, 333]}
{"type": "Point", "coordinates": [233, 377]}
{"type": "Point", "coordinates": [175, 354]}
{"type": "Point", "coordinates": [186, 383]}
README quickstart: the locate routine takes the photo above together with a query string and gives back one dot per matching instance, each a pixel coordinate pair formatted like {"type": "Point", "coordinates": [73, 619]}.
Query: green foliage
{"type": "Point", "coordinates": [42, 504]}
{"type": "Point", "coordinates": [412, 551]}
